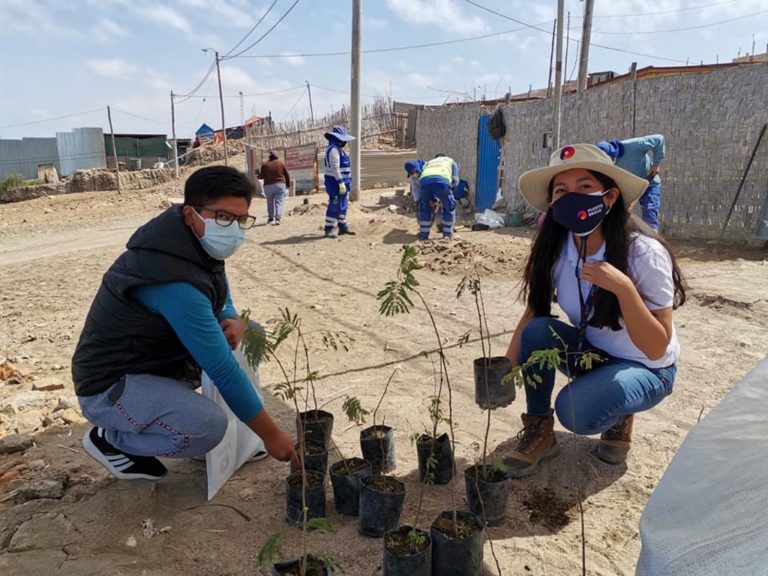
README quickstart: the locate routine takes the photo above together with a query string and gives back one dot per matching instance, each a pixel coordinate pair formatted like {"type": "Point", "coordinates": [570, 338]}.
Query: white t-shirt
{"type": "Point", "coordinates": [650, 268]}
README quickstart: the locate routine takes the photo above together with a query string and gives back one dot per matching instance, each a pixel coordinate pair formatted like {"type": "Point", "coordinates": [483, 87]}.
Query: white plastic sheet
{"type": "Point", "coordinates": [490, 218]}
{"type": "Point", "coordinates": [709, 513]}
{"type": "Point", "coordinates": [239, 442]}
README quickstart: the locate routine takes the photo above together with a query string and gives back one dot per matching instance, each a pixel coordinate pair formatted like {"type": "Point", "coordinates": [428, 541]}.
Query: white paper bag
{"type": "Point", "coordinates": [239, 442]}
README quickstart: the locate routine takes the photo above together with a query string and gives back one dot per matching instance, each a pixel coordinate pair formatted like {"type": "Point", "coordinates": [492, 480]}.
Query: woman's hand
{"type": "Point", "coordinates": [233, 329]}
{"type": "Point", "coordinates": [605, 276]}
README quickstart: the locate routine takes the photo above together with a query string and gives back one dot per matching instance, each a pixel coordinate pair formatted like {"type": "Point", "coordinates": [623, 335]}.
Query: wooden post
{"type": "Point", "coordinates": [114, 150]}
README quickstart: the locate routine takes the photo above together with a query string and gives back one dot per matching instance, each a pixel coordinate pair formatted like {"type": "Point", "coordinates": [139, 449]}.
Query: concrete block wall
{"type": "Point", "coordinates": [451, 129]}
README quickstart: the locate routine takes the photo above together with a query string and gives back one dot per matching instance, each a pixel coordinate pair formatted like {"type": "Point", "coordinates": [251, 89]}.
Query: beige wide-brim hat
{"type": "Point", "coordinates": [534, 184]}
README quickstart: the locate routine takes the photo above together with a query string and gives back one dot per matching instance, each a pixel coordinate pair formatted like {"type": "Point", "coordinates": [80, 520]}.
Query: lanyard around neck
{"type": "Point", "coordinates": [586, 304]}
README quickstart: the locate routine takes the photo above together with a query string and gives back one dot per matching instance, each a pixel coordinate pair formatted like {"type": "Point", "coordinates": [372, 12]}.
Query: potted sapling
{"type": "Point", "coordinates": [486, 483]}
{"type": "Point", "coordinates": [377, 442]}
{"type": "Point", "coordinates": [457, 537]}
{"type": "Point", "coordinates": [305, 488]}
{"type": "Point", "coordinates": [491, 391]}
{"type": "Point", "coordinates": [347, 472]}
{"type": "Point", "coordinates": [312, 564]}
{"type": "Point", "coordinates": [434, 452]}
{"type": "Point", "coordinates": [407, 548]}
{"type": "Point", "coordinates": [317, 423]}
{"type": "Point", "coordinates": [381, 495]}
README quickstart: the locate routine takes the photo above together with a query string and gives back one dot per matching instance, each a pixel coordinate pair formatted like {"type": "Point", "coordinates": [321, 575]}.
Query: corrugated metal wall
{"type": "Point", "coordinates": [24, 156]}
{"type": "Point", "coordinates": [80, 149]}
{"type": "Point", "coordinates": [69, 151]}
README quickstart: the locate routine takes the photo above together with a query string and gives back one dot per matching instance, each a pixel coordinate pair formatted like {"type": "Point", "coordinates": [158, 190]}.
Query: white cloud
{"type": "Point", "coordinates": [374, 23]}
{"type": "Point", "coordinates": [112, 68]}
{"type": "Point", "coordinates": [229, 14]}
{"type": "Point", "coordinates": [445, 14]}
{"type": "Point", "coordinates": [35, 19]}
{"type": "Point", "coordinates": [164, 16]}
{"type": "Point", "coordinates": [293, 60]}
{"type": "Point", "coordinates": [106, 30]}
{"type": "Point", "coordinates": [419, 80]}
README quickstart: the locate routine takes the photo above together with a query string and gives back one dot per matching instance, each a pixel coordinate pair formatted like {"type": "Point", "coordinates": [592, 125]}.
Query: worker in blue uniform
{"type": "Point", "coordinates": [438, 180]}
{"type": "Point", "coordinates": [338, 181]}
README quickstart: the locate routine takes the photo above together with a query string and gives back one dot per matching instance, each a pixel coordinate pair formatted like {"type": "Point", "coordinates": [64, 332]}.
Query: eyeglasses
{"type": "Point", "coordinates": [224, 218]}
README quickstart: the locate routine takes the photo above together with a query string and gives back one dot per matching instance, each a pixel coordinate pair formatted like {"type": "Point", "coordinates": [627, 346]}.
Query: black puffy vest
{"type": "Point", "coordinates": [120, 335]}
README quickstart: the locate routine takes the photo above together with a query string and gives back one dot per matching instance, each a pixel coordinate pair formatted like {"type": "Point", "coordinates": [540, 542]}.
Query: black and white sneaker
{"type": "Point", "coordinates": [121, 464]}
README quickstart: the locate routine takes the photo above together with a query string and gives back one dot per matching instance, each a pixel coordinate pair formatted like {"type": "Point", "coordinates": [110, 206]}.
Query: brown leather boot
{"type": "Point", "coordinates": [536, 442]}
{"type": "Point", "coordinates": [615, 442]}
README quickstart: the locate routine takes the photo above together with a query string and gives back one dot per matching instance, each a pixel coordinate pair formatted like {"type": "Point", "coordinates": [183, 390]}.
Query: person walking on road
{"type": "Point", "coordinates": [277, 181]}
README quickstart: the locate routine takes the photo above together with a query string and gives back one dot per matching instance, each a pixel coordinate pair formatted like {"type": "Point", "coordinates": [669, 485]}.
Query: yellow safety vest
{"type": "Point", "coordinates": [442, 167]}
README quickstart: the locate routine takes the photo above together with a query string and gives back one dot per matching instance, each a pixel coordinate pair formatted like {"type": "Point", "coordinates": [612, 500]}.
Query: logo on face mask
{"type": "Point", "coordinates": [580, 213]}
{"type": "Point", "coordinates": [219, 241]}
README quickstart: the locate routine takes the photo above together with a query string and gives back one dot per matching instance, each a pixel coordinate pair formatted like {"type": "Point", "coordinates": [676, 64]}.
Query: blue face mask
{"type": "Point", "coordinates": [218, 241]}
{"type": "Point", "coordinates": [580, 213]}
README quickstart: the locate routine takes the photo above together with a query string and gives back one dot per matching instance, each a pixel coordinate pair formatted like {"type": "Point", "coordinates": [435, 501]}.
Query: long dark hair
{"type": "Point", "coordinates": [619, 227]}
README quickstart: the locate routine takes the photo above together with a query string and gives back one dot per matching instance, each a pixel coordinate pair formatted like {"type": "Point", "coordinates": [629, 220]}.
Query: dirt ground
{"type": "Point", "coordinates": [53, 252]}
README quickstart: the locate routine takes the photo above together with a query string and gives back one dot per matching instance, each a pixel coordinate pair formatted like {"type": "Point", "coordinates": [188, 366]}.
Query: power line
{"type": "Point", "coordinates": [291, 89]}
{"type": "Point", "coordinates": [141, 117]}
{"type": "Point", "coordinates": [700, 26]}
{"type": "Point", "coordinates": [251, 30]}
{"type": "Point", "coordinates": [301, 97]}
{"type": "Point", "coordinates": [700, 7]}
{"type": "Point", "coordinates": [185, 97]}
{"type": "Point", "coordinates": [392, 49]}
{"type": "Point", "coordinates": [52, 119]}
{"type": "Point", "coordinates": [265, 33]}
{"type": "Point", "coordinates": [548, 33]}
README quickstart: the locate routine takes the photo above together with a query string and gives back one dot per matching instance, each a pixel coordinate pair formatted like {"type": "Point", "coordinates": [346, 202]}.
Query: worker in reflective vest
{"type": "Point", "coordinates": [338, 181]}
{"type": "Point", "coordinates": [439, 178]}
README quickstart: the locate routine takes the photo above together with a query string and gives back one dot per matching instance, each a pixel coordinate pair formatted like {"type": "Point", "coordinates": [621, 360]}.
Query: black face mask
{"type": "Point", "coordinates": [580, 213]}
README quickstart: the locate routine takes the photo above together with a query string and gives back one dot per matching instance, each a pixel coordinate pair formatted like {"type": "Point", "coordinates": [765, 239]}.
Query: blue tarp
{"type": "Point", "coordinates": [205, 130]}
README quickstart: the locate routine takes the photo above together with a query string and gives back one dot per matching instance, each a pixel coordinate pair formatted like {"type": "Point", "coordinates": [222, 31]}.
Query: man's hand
{"type": "Point", "coordinates": [342, 188]}
{"type": "Point", "coordinates": [279, 445]}
{"type": "Point", "coordinates": [653, 171]}
{"type": "Point", "coordinates": [233, 329]}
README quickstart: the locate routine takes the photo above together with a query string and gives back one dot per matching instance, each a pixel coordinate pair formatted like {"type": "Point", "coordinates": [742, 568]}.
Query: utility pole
{"type": "Point", "coordinates": [221, 102]}
{"type": "Point", "coordinates": [175, 146]}
{"type": "Point", "coordinates": [311, 110]}
{"type": "Point", "coordinates": [355, 125]}
{"type": "Point", "coordinates": [551, 56]}
{"type": "Point", "coordinates": [114, 150]}
{"type": "Point", "coordinates": [242, 109]}
{"type": "Point", "coordinates": [558, 73]}
{"type": "Point", "coordinates": [586, 36]}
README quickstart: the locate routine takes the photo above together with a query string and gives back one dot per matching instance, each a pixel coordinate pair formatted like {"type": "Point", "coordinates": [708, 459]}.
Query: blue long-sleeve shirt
{"type": "Point", "coordinates": [189, 313]}
{"type": "Point", "coordinates": [635, 158]}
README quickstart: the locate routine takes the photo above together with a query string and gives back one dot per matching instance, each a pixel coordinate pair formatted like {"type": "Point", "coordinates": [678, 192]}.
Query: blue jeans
{"type": "Point", "coordinates": [649, 202]}
{"type": "Point", "coordinates": [275, 194]}
{"type": "Point", "coordinates": [148, 415]}
{"type": "Point", "coordinates": [593, 401]}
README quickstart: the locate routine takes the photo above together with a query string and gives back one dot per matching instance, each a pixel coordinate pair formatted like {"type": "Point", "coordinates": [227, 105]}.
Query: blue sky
{"type": "Point", "coordinates": [74, 57]}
